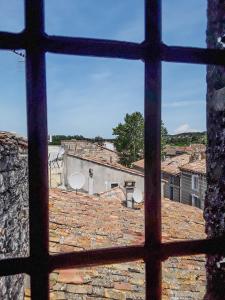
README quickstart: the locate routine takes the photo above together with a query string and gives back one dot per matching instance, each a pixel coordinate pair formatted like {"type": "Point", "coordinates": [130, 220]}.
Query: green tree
{"type": "Point", "coordinates": [129, 141]}
{"type": "Point", "coordinates": [99, 140]}
{"type": "Point", "coordinates": [164, 134]}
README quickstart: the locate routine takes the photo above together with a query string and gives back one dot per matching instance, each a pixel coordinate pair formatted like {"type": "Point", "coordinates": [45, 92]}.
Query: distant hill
{"type": "Point", "coordinates": [186, 138]}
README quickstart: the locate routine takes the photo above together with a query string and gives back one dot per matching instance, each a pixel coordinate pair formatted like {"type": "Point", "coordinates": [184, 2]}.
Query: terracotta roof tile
{"type": "Point", "coordinates": [106, 163]}
{"type": "Point", "coordinates": [79, 221]}
{"type": "Point", "coordinates": [172, 165]}
{"type": "Point", "coordinates": [139, 164]}
{"type": "Point", "coordinates": [198, 166]}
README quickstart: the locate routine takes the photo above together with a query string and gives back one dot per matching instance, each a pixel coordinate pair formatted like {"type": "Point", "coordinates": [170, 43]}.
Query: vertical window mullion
{"type": "Point", "coordinates": [152, 145]}
{"type": "Point", "coordinates": [37, 151]}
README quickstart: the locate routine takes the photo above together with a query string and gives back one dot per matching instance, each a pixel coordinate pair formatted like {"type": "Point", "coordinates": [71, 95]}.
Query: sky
{"type": "Point", "coordinates": [90, 96]}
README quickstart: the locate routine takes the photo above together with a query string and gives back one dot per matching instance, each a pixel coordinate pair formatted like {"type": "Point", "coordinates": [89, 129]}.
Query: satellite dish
{"type": "Point", "coordinates": [137, 196]}
{"type": "Point", "coordinates": [61, 151]}
{"type": "Point", "coordinates": [76, 180]}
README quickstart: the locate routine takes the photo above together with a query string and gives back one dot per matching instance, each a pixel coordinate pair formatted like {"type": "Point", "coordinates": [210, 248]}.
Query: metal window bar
{"type": "Point", "coordinates": [152, 52]}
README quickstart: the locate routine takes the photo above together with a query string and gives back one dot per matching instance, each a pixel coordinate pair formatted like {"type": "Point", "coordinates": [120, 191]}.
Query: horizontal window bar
{"type": "Point", "coordinates": [14, 266]}
{"type": "Point", "coordinates": [192, 55]}
{"type": "Point", "coordinates": [11, 41]}
{"type": "Point", "coordinates": [115, 255]}
{"type": "Point", "coordinates": [94, 47]}
{"type": "Point", "coordinates": [113, 49]}
{"type": "Point", "coordinates": [184, 248]}
{"type": "Point", "coordinates": [96, 257]}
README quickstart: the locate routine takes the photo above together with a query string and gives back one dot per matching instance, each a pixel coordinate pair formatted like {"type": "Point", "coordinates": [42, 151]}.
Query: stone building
{"type": "Point", "coordinates": [13, 209]}
{"type": "Point", "coordinates": [87, 149]}
{"type": "Point", "coordinates": [109, 224]}
{"type": "Point", "coordinates": [100, 175]}
{"type": "Point", "coordinates": [193, 183]}
{"type": "Point", "coordinates": [170, 176]}
{"type": "Point", "coordinates": [139, 165]}
{"type": "Point", "coordinates": [195, 150]}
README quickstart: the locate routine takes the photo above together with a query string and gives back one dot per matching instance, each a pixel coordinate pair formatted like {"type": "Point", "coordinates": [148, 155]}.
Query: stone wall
{"type": "Point", "coordinates": [103, 175]}
{"type": "Point", "coordinates": [88, 149]}
{"type": "Point", "coordinates": [215, 196]}
{"type": "Point", "coordinates": [13, 209]}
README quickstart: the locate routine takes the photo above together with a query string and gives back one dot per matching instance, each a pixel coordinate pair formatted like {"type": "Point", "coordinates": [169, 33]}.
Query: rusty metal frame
{"type": "Point", "coordinates": [152, 52]}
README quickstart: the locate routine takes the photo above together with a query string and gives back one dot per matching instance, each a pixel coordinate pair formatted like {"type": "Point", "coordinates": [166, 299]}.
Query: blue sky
{"type": "Point", "coordinates": [89, 96]}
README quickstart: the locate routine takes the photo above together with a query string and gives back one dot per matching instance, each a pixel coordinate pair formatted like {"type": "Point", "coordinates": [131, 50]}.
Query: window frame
{"type": "Point", "coordinates": [193, 203]}
{"type": "Point", "coordinates": [193, 178]}
{"type": "Point", "coordinates": [152, 51]}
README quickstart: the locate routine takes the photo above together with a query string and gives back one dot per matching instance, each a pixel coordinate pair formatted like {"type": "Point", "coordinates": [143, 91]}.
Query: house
{"type": "Point", "coordinates": [183, 177]}
{"type": "Point", "coordinates": [194, 150]}
{"type": "Point", "coordinates": [193, 183]}
{"type": "Point", "coordinates": [110, 224]}
{"type": "Point", "coordinates": [139, 165]}
{"type": "Point", "coordinates": [170, 176]}
{"type": "Point", "coordinates": [99, 174]}
{"type": "Point", "coordinates": [172, 151]}
{"type": "Point", "coordinates": [86, 149]}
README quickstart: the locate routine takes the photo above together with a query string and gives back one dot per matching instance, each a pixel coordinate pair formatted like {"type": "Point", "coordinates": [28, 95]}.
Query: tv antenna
{"type": "Point", "coordinates": [55, 159]}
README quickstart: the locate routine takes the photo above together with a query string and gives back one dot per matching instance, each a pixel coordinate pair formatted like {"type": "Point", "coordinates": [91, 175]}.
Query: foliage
{"type": "Point", "coordinates": [164, 134]}
{"type": "Point", "coordinates": [56, 139]}
{"type": "Point", "coordinates": [187, 138]}
{"type": "Point", "coordinates": [99, 140]}
{"type": "Point", "coordinates": [129, 141]}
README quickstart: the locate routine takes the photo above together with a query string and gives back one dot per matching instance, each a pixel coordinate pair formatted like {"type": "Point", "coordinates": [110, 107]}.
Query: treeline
{"type": "Point", "coordinates": [56, 139]}
{"type": "Point", "coordinates": [187, 138]}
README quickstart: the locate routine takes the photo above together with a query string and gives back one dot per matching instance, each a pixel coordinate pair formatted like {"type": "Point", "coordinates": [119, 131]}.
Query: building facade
{"type": "Point", "coordinates": [170, 176]}
{"type": "Point", "coordinates": [193, 183]}
{"type": "Point", "coordinates": [100, 176]}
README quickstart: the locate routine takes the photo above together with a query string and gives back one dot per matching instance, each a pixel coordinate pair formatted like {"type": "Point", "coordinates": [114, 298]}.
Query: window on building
{"type": "Point", "coordinates": [171, 180]}
{"type": "Point", "coordinates": [195, 182]}
{"type": "Point", "coordinates": [171, 193]}
{"type": "Point", "coordinates": [113, 185]}
{"type": "Point", "coordinates": [196, 201]}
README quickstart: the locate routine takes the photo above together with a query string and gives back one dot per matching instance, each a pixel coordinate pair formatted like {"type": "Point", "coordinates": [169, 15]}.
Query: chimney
{"type": "Point", "coordinates": [129, 187]}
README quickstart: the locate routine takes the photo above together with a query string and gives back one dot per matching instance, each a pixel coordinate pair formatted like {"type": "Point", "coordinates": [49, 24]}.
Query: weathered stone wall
{"type": "Point", "coordinates": [13, 209]}
{"type": "Point", "coordinates": [215, 197]}
{"type": "Point", "coordinates": [88, 149]}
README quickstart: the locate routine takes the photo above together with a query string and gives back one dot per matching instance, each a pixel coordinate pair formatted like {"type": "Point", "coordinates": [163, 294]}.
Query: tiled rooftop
{"type": "Point", "coordinates": [175, 164]}
{"type": "Point", "coordinates": [98, 160]}
{"type": "Point", "coordinates": [172, 165]}
{"type": "Point", "coordinates": [198, 167]}
{"type": "Point", "coordinates": [139, 164]}
{"type": "Point", "coordinates": [79, 222]}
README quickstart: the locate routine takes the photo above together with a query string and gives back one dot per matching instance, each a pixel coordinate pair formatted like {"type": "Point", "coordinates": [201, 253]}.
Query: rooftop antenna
{"type": "Point", "coordinates": [76, 181]}
{"type": "Point", "coordinates": [54, 160]}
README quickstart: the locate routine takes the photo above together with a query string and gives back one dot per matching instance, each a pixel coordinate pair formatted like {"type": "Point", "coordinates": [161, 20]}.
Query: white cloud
{"type": "Point", "coordinates": [184, 128]}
